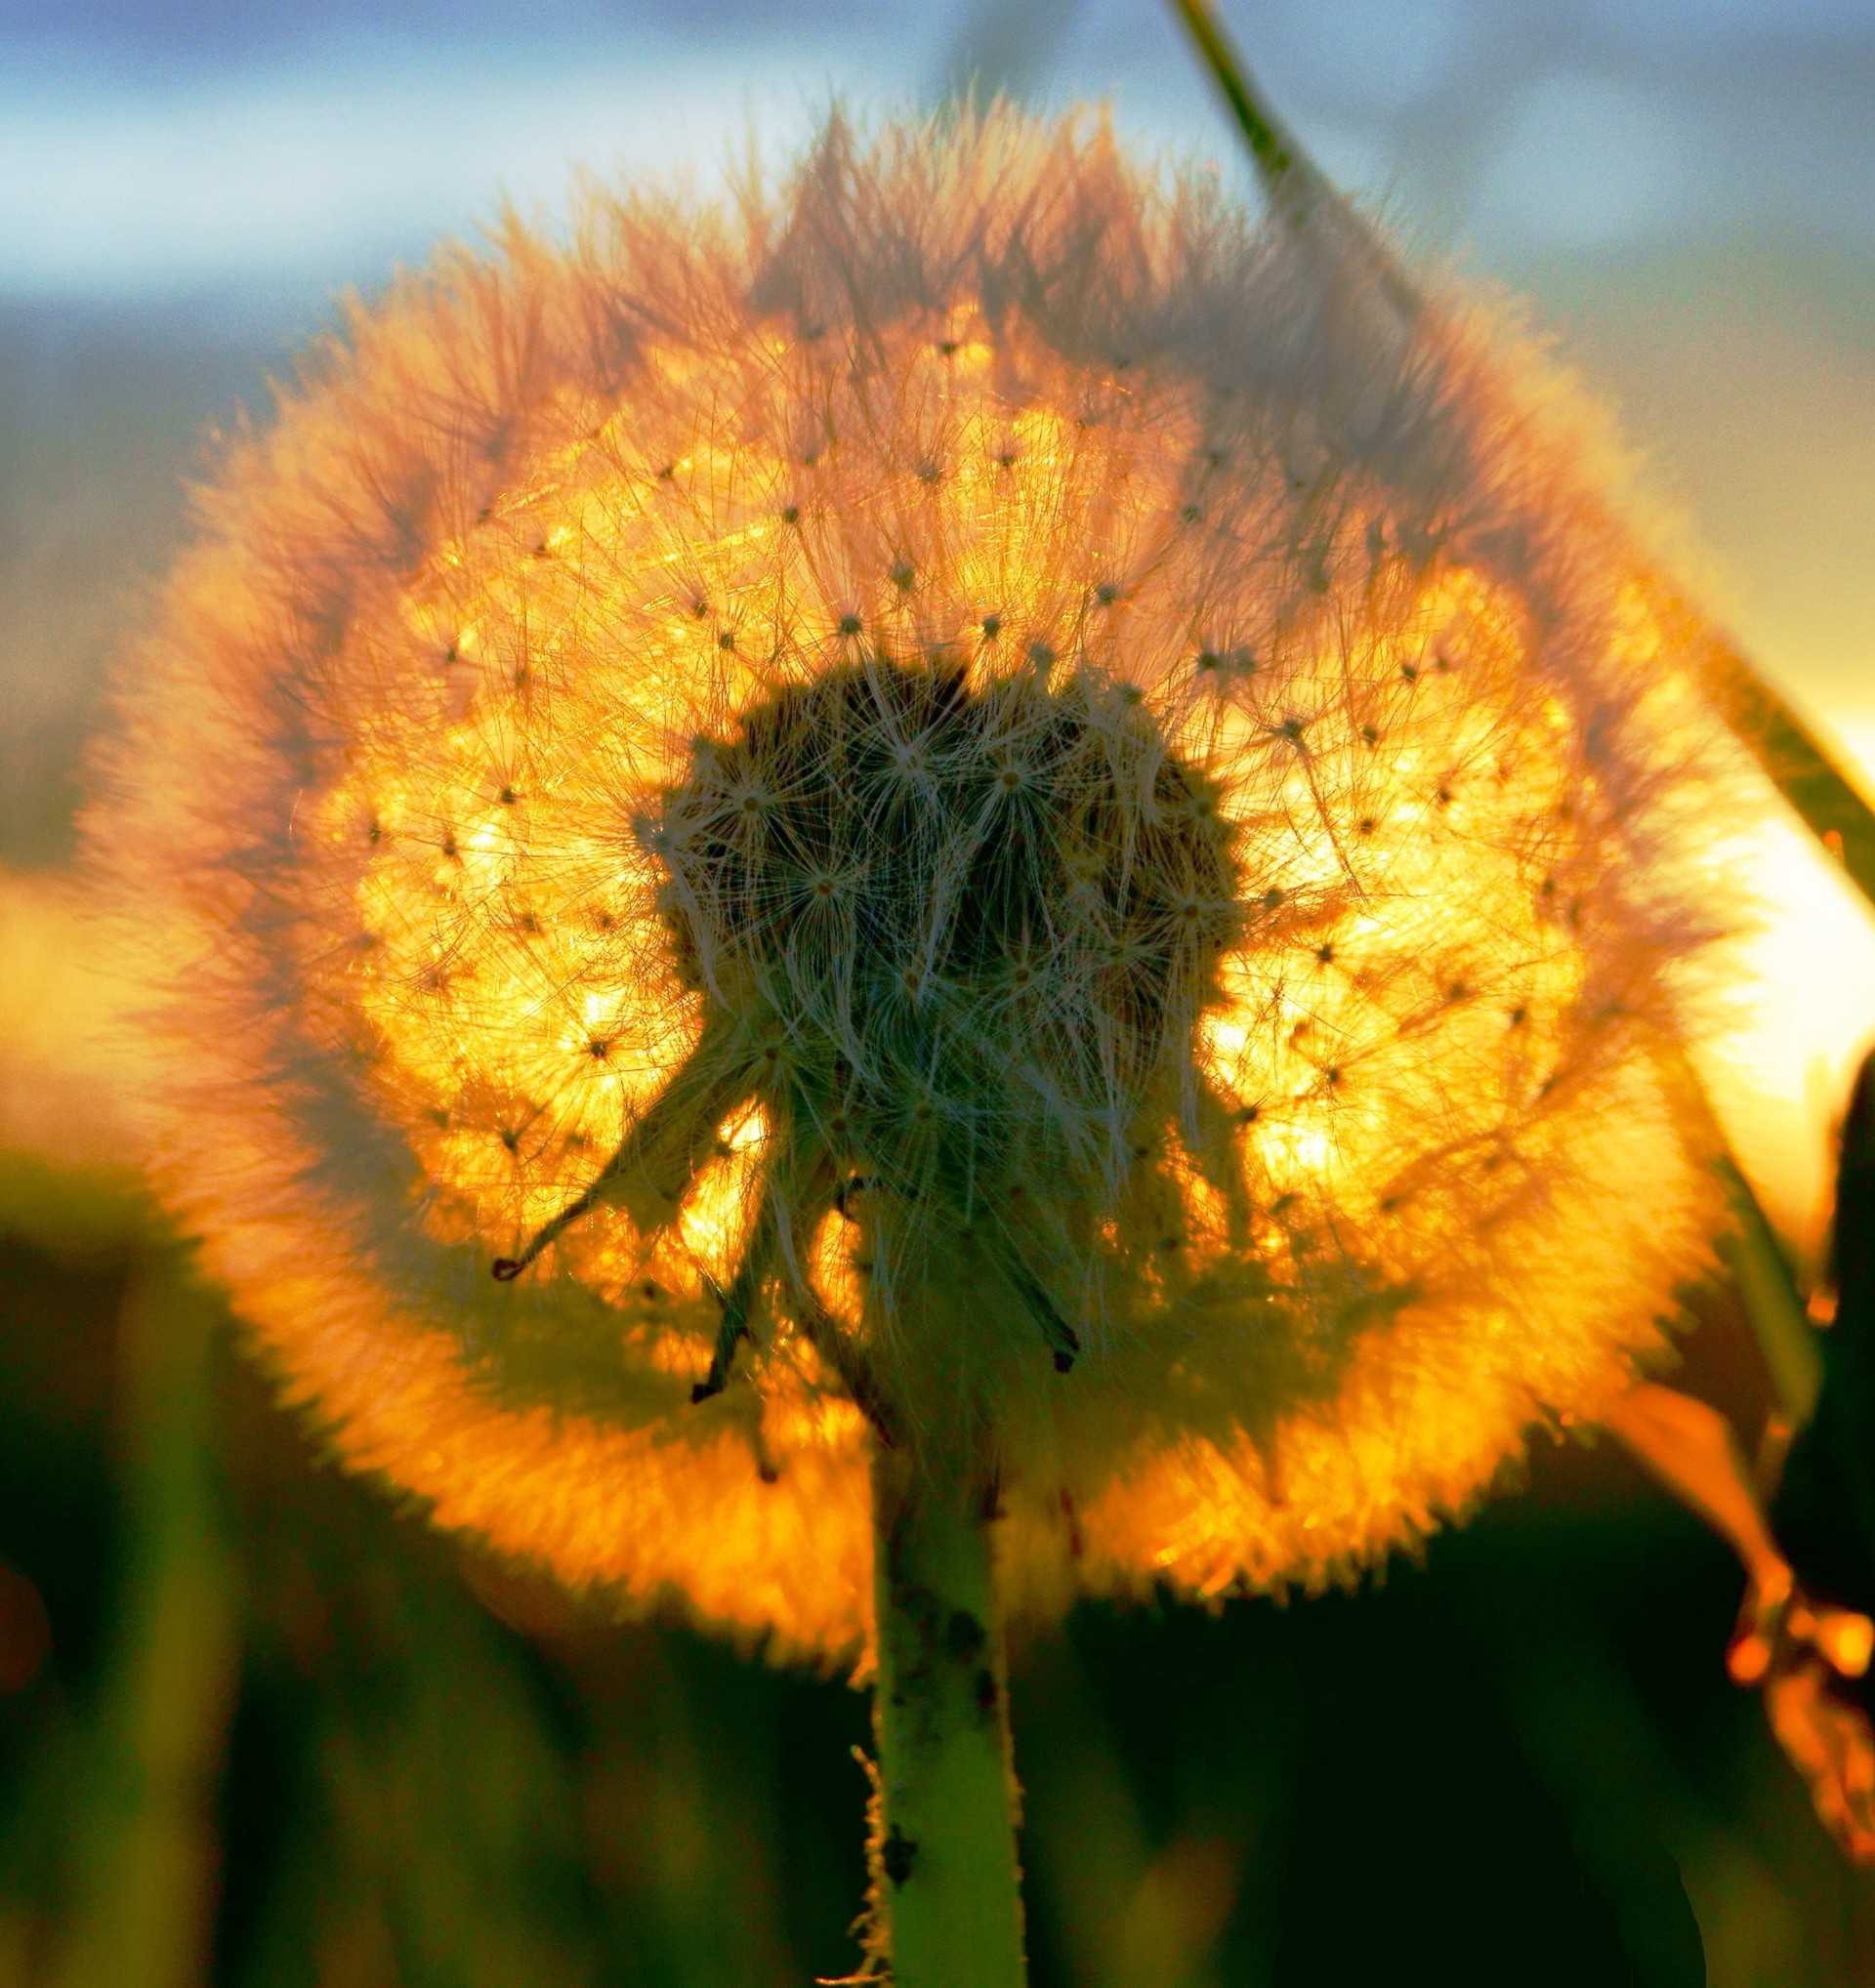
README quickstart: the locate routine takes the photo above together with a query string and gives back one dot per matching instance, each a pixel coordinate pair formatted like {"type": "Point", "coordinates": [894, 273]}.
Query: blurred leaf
{"type": "Point", "coordinates": [1127, 1908]}
{"type": "Point", "coordinates": [409, 1806]}
{"type": "Point", "coordinates": [144, 1895]}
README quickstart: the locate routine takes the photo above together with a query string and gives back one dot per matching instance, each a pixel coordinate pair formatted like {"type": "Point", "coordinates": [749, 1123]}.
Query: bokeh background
{"type": "Point", "coordinates": [257, 1726]}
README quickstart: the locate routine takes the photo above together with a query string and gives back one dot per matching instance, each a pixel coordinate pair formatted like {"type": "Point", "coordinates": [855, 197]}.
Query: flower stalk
{"type": "Point", "coordinates": [946, 1884]}
{"type": "Point", "coordinates": [1822, 794]}
{"type": "Point", "coordinates": [1275, 154]}
{"type": "Point", "coordinates": [1292, 183]}
{"type": "Point", "coordinates": [1792, 1355]}
{"type": "Point", "coordinates": [1799, 764]}
{"type": "Point", "coordinates": [1825, 798]}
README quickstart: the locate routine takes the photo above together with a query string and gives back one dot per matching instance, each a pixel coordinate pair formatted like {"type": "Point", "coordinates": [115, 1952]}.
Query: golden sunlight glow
{"type": "Point", "coordinates": [931, 854]}
{"type": "Point", "coordinates": [1802, 994]}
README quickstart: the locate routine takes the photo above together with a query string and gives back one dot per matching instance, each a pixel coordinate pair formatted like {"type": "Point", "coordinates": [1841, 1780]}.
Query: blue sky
{"type": "Point", "coordinates": [264, 153]}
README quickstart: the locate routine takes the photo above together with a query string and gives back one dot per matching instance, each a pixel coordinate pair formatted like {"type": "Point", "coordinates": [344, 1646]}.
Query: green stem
{"type": "Point", "coordinates": [1785, 1336]}
{"type": "Point", "coordinates": [1291, 180]}
{"type": "Point", "coordinates": [1750, 1251]}
{"type": "Point", "coordinates": [1825, 799]}
{"type": "Point", "coordinates": [947, 1880]}
{"type": "Point", "coordinates": [1275, 154]}
{"type": "Point", "coordinates": [143, 1917]}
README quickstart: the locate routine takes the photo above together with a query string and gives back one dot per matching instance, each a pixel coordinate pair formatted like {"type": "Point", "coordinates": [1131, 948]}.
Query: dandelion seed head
{"type": "Point", "coordinates": [976, 774]}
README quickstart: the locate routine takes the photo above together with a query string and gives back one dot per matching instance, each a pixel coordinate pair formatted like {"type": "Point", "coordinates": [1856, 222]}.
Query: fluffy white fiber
{"type": "Point", "coordinates": [973, 803]}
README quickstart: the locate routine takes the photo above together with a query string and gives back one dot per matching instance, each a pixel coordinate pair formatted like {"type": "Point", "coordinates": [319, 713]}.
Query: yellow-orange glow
{"type": "Point", "coordinates": [1801, 1014]}
{"type": "Point", "coordinates": [1372, 1175]}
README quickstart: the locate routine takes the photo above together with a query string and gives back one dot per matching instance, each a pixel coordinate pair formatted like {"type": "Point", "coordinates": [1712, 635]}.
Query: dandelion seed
{"type": "Point", "coordinates": [886, 1033]}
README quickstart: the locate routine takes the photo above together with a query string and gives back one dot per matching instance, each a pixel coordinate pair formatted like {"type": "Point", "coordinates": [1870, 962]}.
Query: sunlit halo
{"type": "Point", "coordinates": [1403, 825]}
{"type": "Point", "coordinates": [1295, 1092]}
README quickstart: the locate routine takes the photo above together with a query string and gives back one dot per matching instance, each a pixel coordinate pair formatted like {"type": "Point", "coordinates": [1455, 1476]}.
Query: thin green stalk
{"type": "Point", "coordinates": [1801, 766]}
{"type": "Point", "coordinates": [1293, 182]}
{"type": "Point", "coordinates": [1281, 163]}
{"type": "Point", "coordinates": [1825, 797]}
{"type": "Point", "coordinates": [1751, 1251]}
{"type": "Point", "coordinates": [946, 1884]}
{"type": "Point", "coordinates": [146, 1888]}
{"type": "Point", "coordinates": [1806, 772]}
{"type": "Point", "coordinates": [1785, 1336]}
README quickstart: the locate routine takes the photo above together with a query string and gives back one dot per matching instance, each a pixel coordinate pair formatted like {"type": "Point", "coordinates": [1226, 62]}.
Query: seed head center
{"type": "Point", "coordinates": [1020, 935]}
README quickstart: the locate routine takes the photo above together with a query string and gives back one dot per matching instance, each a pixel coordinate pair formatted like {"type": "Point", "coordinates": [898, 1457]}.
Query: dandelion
{"type": "Point", "coordinates": [962, 851]}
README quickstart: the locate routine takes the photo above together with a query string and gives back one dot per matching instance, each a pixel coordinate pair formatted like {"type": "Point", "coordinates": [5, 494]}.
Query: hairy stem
{"type": "Point", "coordinates": [947, 1884]}
{"type": "Point", "coordinates": [1766, 1288]}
